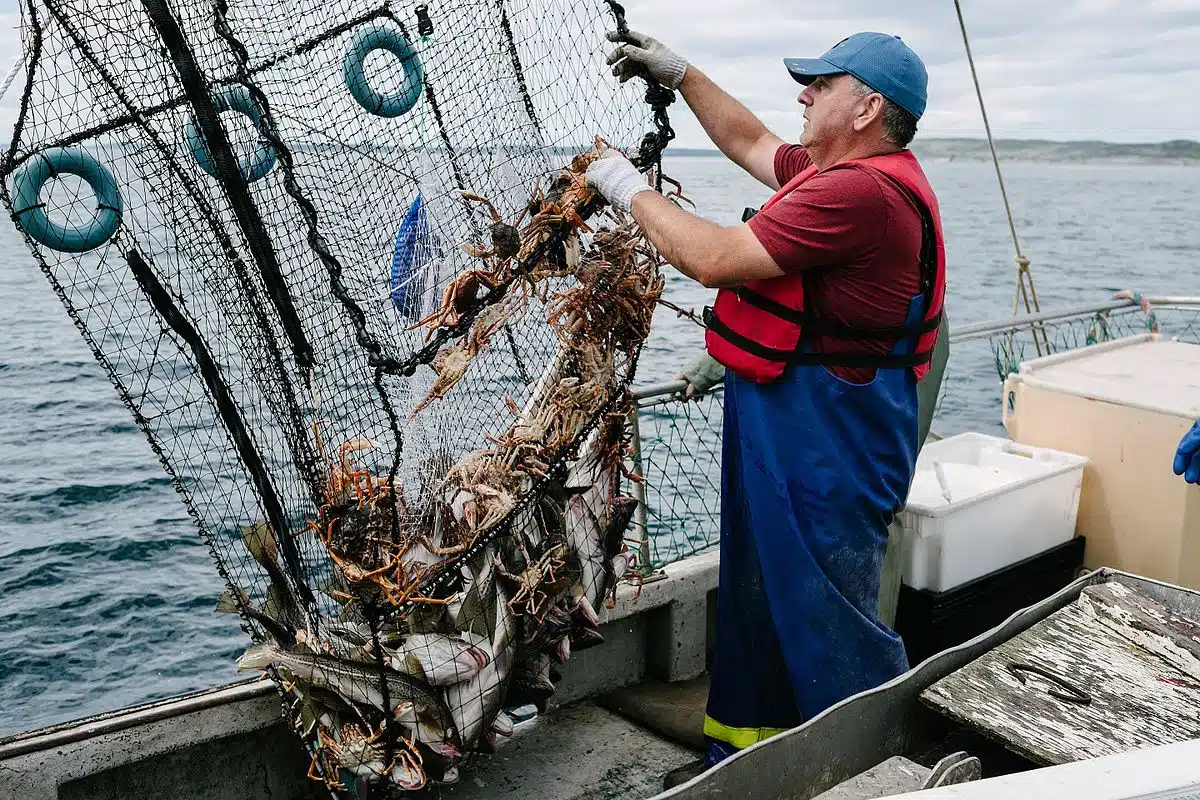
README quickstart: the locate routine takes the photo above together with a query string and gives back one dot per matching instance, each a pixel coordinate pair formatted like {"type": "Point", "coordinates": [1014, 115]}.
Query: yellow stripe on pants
{"type": "Point", "coordinates": [740, 738]}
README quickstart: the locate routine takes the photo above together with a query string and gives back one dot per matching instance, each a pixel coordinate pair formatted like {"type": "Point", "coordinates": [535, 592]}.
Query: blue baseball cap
{"type": "Point", "coordinates": [879, 60]}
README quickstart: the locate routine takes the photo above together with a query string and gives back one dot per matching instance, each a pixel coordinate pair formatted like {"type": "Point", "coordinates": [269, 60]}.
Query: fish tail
{"type": "Point", "coordinates": [259, 539]}
{"type": "Point", "coordinates": [257, 656]}
{"type": "Point", "coordinates": [228, 603]}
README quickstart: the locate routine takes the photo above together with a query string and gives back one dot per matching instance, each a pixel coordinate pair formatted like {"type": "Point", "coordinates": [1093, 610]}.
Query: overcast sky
{"type": "Point", "coordinates": [1060, 69]}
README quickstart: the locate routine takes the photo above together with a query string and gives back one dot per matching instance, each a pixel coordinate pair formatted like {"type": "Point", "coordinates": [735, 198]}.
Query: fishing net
{"type": "Point", "coordinates": [340, 260]}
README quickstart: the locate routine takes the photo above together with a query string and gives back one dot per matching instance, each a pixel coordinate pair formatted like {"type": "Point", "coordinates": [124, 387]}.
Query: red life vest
{"type": "Point", "coordinates": [760, 328]}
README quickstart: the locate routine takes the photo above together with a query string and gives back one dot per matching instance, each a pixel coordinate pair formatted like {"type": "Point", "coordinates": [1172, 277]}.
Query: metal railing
{"type": "Point", "coordinates": [677, 442]}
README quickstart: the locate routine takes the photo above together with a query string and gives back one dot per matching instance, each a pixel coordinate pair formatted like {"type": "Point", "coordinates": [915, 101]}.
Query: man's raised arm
{"type": "Point", "coordinates": [731, 126]}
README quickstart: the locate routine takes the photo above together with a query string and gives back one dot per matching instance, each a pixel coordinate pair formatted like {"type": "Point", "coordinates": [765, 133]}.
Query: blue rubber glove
{"type": "Point", "coordinates": [1187, 457]}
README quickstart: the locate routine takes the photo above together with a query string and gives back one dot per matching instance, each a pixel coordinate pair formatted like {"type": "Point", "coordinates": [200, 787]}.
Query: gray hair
{"type": "Point", "coordinates": [899, 125]}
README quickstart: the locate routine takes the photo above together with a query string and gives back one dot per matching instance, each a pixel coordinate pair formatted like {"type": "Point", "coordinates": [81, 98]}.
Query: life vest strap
{"type": "Point", "coordinates": [801, 358]}
{"type": "Point", "coordinates": [820, 326]}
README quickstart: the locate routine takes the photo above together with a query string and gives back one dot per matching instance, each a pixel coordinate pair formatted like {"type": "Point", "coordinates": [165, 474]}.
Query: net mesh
{"type": "Point", "coordinates": [340, 261]}
{"type": "Point", "coordinates": [681, 439]}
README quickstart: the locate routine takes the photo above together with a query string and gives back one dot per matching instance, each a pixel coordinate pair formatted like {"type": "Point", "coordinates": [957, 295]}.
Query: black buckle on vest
{"type": "Point", "coordinates": [748, 213]}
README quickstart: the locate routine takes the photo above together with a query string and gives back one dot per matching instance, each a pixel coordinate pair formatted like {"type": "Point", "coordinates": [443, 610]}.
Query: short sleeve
{"type": "Point", "coordinates": [836, 218]}
{"type": "Point", "coordinates": [790, 161]}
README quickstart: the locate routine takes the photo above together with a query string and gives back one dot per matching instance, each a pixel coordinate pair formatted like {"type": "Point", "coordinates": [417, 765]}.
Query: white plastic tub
{"type": "Point", "coordinates": [1006, 502]}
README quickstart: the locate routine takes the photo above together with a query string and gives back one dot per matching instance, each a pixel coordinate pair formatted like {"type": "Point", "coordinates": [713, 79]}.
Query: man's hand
{"type": "Point", "coordinates": [1187, 457]}
{"type": "Point", "coordinates": [615, 177]}
{"type": "Point", "coordinates": [702, 373]}
{"type": "Point", "coordinates": [640, 53]}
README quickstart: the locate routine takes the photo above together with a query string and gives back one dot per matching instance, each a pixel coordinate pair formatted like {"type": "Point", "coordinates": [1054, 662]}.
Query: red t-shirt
{"type": "Point", "coordinates": [856, 237]}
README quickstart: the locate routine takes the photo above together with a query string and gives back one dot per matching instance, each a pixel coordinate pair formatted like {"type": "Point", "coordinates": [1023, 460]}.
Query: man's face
{"type": "Point", "coordinates": [831, 105]}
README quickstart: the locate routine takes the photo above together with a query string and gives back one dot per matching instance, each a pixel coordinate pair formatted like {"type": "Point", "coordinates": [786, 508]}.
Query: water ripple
{"type": "Point", "coordinates": [109, 590]}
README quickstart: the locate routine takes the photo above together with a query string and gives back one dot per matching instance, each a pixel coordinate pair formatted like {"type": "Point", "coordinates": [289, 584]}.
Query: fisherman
{"type": "Point", "coordinates": [828, 307]}
{"type": "Point", "coordinates": [1187, 457]}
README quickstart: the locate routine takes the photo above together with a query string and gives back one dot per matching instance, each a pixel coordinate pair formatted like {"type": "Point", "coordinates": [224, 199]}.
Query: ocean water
{"type": "Point", "coordinates": [106, 591]}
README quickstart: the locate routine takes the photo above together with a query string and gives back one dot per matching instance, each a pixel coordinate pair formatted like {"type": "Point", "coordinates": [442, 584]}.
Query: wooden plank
{"type": "Point", "coordinates": [1135, 699]}
{"type": "Point", "coordinates": [1146, 623]}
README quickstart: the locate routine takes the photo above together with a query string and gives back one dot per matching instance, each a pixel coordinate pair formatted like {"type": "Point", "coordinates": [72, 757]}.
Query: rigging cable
{"type": "Point", "coordinates": [1025, 288]}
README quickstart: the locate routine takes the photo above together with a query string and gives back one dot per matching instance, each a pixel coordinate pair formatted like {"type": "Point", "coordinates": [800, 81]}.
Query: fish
{"type": "Point", "coordinates": [263, 547]}
{"type": "Point", "coordinates": [502, 725]}
{"type": "Point", "coordinates": [353, 682]}
{"type": "Point", "coordinates": [474, 704]}
{"type": "Point", "coordinates": [470, 612]}
{"type": "Point", "coordinates": [320, 706]}
{"type": "Point", "coordinates": [532, 684]}
{"type": "Point", "coordinates": [439, 659]}
{"type": "Point", "coordinates": [350, 635]}
{"type": "Point", "coordinates": [596, 541]}
{"type": "Point", "coordinates": [228, 603]}
{"type": "Point", "coordinates": [426, 729]}
{"type": "Point", "coordinates": [591, 485]}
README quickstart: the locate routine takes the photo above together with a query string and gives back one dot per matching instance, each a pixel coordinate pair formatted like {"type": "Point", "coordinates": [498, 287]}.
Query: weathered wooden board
{"type": "Point", "coordinates": [1144, 622]}
{"type": "Point", "coordinates": [1110, 645]}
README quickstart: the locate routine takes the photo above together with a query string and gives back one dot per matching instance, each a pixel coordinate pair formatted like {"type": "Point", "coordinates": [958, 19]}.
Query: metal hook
{"type": "Point", "coordinates": [1077, 695]}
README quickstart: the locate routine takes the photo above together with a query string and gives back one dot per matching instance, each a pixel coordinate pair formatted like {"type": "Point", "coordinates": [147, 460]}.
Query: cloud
{"type": "Point", "coordinates": [1073, 69]}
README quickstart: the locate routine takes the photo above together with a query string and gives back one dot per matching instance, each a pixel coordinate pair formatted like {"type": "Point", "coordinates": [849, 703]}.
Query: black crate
{"type": "Point", "coordinates": [930, 622]}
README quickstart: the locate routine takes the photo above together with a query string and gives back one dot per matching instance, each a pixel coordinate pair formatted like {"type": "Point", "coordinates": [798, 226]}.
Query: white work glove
{"type": "Point", "coordinates": [702, 373]}
{"type": "Point", "coordinates": [614, 176]}
{"type": "Point", "coordinates": [642, 52]}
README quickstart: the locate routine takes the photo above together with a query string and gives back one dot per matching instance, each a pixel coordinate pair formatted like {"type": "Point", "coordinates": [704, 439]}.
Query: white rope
{"type": "Point", "coordinates": [11, 76]}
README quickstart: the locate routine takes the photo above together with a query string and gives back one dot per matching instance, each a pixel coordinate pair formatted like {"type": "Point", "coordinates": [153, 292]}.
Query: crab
{"type": "Point", "coordinates": [450, 364]}
{"type": "Point", "coordinates": [460, 295]}
{"type": "Point", "coordinates": [481, 489]}
{"type": "Point", "coordinates": [350, 749]}
{"type": "Point", "coordinates": [506, 238]}
{"type": "Point", "coordinates": [535, 586]}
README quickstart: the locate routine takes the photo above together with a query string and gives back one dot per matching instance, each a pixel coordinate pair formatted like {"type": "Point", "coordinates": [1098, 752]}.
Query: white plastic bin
{"type": "Point", "coordinates": [1007, 502]}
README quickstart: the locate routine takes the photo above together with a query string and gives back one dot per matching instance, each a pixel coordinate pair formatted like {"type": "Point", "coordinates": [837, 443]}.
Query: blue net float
{"type": "Point", "coordinates": [30, 212]}
{"type": "Point", "coordinates": [383, 104]}
{"type": "Point", "coordinates": [234, 98]}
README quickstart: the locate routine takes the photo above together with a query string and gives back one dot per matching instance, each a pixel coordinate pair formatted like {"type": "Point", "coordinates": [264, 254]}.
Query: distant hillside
{"type": "Point", "coordinates": [1179, 151]}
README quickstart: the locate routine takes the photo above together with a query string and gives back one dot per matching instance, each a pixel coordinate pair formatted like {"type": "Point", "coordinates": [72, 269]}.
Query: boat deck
{"type": "Point", "coordinates": [606, 755]}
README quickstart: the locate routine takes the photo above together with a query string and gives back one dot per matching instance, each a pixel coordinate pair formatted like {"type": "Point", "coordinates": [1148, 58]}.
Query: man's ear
{"type": "Point", "coordinates": [873, 108]}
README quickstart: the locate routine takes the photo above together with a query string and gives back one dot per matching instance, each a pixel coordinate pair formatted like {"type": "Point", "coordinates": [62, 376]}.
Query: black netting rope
{"type": "Point", "coordinates": [658, 97]}
{"type": "Point", "coordinates": [183, 410]}
{"type": "Point", "coordinates": [226, 166]}
{"type": "Point", "coordinates": [304, 457]}
{"type": "Point", "coordinates": [161, 299]}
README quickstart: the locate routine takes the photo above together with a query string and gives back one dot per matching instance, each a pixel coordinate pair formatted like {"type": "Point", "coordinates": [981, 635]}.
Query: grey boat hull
{"type": "Point", "coordinates": [231, 743]}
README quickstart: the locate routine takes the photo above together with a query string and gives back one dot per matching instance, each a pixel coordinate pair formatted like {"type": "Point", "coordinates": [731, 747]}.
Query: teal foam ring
{"type": "Point", "coordinates": [234, 98]}
{"type": "Point", "coordinates": [383, 104]}
{"type": "Point", "coordinates": [31, 215]}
